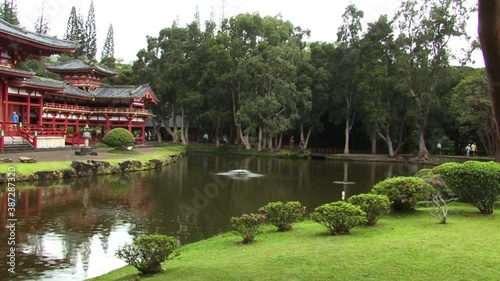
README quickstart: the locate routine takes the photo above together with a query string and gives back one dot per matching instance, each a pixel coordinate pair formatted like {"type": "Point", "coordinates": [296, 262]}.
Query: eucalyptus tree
{"type": "Point", "coordinates": [348, 38]}
{"type": "Point", "coordinates": [383, 106]}
{"type": "Point", "coordinates": [470, 104]}
{"type": "Point", "coordinates": [425, 29]}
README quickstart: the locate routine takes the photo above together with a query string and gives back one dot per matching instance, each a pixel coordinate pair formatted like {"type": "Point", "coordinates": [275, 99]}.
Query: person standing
{"type": "Point", "coordinates": [473, 148]}
{"type": "Point", "coordinates": [467, 150]}
{"type": "Point", "coordinates": [14, 119]}
{"type": "Point", "coordinates": [439, 148]}
{"type": "Point", "coordinates": [292, 141]}
{"type": "Point", "coordinates": [205, 138]}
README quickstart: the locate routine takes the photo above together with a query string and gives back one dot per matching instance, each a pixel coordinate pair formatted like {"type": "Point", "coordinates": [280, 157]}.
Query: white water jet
{"type": "Point", "coordinates": [240, 174]}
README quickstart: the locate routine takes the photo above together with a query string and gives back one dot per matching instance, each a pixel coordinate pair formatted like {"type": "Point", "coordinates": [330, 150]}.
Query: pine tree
{"type": "Point", "coordinates": [108, 51]}
{"type": "Point", "coordinates": [8, 12]}
{"type": "Point", "coordinates": [75, 32]}
{"type": "Point", "coordinates": [82, 37]}
{"type": "Point", "coordinates": [42, 24]}
{"type": "Point", "coordinates": [90, 32]}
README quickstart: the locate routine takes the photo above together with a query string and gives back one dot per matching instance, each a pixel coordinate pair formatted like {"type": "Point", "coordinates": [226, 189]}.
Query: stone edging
{"type": "Point", "coordinates": [96, 167]}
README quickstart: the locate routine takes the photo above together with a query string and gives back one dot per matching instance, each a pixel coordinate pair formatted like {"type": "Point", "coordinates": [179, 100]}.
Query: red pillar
{"type": "Point", "coordinates": [40, 111]}
{"type": "Point", "coordinates": [143, 130]}
{"type": "Point", "coordinates": [28, 110]}
{"type": "Point", "coordinates": [108, 124]}
{"type": "Point", "coordinates": [6, 102]}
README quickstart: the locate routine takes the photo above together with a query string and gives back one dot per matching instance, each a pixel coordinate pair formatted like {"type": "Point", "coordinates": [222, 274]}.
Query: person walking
{"type": "Point", "coordinates": [439, 148]}
{"type": "Point", "coordinates": [292, 141]}
{"type": "Point", "coordinates": [473, 149]}
{"type": "Point", "coordinates": [467, 150]}
{"type": "Point", "coordinates": [205, 138]}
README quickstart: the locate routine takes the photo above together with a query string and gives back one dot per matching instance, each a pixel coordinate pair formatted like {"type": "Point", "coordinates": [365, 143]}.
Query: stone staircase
{"type": "Point", "coordinates": [16, 144]}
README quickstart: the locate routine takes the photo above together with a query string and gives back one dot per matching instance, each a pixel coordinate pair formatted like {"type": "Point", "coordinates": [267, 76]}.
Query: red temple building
{"type": "Point", "coordinates": [52, 112]}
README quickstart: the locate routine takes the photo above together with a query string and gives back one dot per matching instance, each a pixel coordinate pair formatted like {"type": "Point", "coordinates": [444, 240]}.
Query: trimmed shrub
{"type": "Point", "coordinates": [118, 138]}
{"type": "Point", "coordinates": [338, 217]}
{"type": "Point", "coordinates": [404, 192]}
{"type": "Point", "coordinates": [374, 205]}
{"type": "Point", "coordinates": [475, 182]}
{"type": "Point", "coordinates": [248, 226]}
{"type": "Point", "coordinates": [295, 153]}
{"type": "Point", "coordinates": [283, 215]}
{"type": "Point", "coordinates": [146, 253]}
{"type": "Point", "coordinates": [424, 173]}
{"type": "Point", "coordinates": [437, 181]}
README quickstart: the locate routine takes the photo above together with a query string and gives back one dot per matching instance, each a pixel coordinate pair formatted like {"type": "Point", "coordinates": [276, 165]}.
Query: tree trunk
{"type": "Point", "coordinates": [217, 139]}
{"type": "Point", "coordinates": [347, 133]}
{"type": "Point", "coordinates": [175, 137]}
{"type": "Point", "coordinates": [489, 28]}
{"type": "Point", "coordinates": [259, 145]}
{"type": "Point", "coordinates": [280, 141]}
{"type": "Point", "coordinates": [422, 148]}
{"type": "Point", "coordinates": [270, 141]}
{"type": "Point", "coordinates": [387, 139]}
{"type": "Point", "coordinates": [157, 128]}
{"type": "Point", "coordinates": [183, 138]}
{"type": "Point", "coordinates": [301, 133]}
{"type": "Point", "coordinates": [374, 143]}
{"type": "Point", "coordinates": [307, 137]}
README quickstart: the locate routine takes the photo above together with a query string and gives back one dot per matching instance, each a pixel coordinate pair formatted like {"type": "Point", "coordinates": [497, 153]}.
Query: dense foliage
{"type": "Point", "coordinates": [475, 182]}
{"type": "Point", "coordinates": [283, 215]}
{"type": "Point", "coordinates": [374, 205]}
{"type": "Point", "coordinates": [248, 226]}
{"type": "Point", "coordinates": [146, 253]}
{"type": "Point", "coordinates": [118, 138]}
{"type": "Point", "coordinates": [338, 217]}
{"type": "Point", "coordinates": [404, 192]}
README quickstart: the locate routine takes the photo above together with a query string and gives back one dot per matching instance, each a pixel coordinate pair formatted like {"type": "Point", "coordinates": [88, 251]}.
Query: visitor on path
{"type": "Point", "coordinates": [224, 139]}
{"type": "Point", "coordinates": [205, 138]}
{"type": "Point", "coordinates": [439, 148]}
{"type": "Point", "coordinates": [14, 119]}
{"type": "Point", "coordinates": [473, 149]}
{"type": "Point", "coordinates": [302, 144]}
{"type": "Point", "coordinates": [467, 150]}
{"type": "Point", "coordinates": [292, 141]}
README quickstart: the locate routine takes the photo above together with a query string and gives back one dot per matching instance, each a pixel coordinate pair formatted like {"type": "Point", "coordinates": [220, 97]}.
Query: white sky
{"type": "Point", "coordinates": [134, 20]}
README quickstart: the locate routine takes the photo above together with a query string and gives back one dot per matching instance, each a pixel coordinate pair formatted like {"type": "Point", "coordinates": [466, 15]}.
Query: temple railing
{"type": "Point", "coordinates": [137, 111]}
{"type": "Point", "coordinates": [96, 110]}
{"type": "Point", "coordinates": [56, 106]}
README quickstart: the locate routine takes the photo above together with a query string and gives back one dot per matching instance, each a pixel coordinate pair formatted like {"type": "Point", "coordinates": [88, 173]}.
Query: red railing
{"type": "Point", "coordinates": [103, 110]}
{"type": "Point", "coordinates": [57, 106]}
{"type": "Point", "coordinates": [29, 136]}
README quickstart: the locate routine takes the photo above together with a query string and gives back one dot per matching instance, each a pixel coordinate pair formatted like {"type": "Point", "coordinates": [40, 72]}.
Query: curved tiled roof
{"type": "Point", "coordinates": [21, 33]}
{"type": "Point", "coordinates": [16, 72]}
{"type": "Point", "coordinates": [124, 92]}
{"type": "Point", "coordinates": [79, 65]}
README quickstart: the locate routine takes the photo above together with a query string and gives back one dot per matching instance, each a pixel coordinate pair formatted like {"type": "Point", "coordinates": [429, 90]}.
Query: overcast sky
{"type": "Point", "coordinates": [134, 20]}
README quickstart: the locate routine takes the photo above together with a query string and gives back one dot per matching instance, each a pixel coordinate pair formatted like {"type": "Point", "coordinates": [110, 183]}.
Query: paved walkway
{"type": "Point", "coordinates": [69, 154]}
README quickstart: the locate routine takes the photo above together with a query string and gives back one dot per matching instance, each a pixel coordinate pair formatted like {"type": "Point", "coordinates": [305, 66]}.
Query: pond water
{"type": "Point", "coordinates": [70, 229]}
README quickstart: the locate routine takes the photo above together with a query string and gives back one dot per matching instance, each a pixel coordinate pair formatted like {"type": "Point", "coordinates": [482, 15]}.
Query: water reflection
{"type": "Point", "coordinates": [70, 229]}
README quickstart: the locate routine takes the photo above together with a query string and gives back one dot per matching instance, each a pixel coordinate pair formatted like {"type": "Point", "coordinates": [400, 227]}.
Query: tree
{"type": "Point", "coordinates": [8, 12]}
{"type": "Point", "coordinates": [108, 51]}
{"type": "Point", "coordinates": [90, 34]}
{"type": "Point", "coordinates": [75, 32]}
{"type": "Point", "coordinates": [489, 27]}
{"type": "Point", "coordinates": [42, 24]}
{"type": "Point", "coordinates": [426, 28]}
{"type": "Point", "coordinates": [471, 106]}
{"type": "Point", "coordinates": [348, 38]}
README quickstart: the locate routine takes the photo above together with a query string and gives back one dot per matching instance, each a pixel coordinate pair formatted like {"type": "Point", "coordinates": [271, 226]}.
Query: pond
{"type": "Point", "coordinates": [70, 229]}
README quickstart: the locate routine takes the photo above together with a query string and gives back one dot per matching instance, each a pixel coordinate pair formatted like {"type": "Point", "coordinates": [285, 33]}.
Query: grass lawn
{"type": "Point", "coordinates": [401, 247]}
{"type": "Point", "coordinates": [27, 168]}
{"type": "Point", "coordinates": [229, 149]}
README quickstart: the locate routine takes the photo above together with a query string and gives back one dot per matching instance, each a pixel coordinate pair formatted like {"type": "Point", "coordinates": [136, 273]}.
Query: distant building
{"type": "Point", "coordinates": [51, 112]}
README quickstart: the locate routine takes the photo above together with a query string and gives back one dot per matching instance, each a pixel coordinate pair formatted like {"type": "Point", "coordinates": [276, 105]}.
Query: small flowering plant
{"type": "Point", "coordinates": [248, 226]}
{"type": "Point", "coordinates": [404, 192]}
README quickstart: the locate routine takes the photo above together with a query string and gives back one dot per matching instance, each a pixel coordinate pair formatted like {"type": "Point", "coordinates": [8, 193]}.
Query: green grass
{"type": "Point", "coordinates": [125, 152]}
{"type": "Point", "coordinates": [229, 149]}
{"type": "Point", "coordinates": [401, 247]}
{"type": "Point", "coordinates": [31, 168]}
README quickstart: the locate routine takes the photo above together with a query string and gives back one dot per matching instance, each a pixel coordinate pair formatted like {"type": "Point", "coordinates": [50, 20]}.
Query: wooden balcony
{"type": "Point", "coordinates": [96, 110]}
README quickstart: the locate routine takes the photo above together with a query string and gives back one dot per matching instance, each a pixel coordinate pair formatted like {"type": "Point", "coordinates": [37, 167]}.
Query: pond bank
{"type": "Point", "coordinates": [63, 164]}
{"type": "Point", "coordinates": [307, 252]}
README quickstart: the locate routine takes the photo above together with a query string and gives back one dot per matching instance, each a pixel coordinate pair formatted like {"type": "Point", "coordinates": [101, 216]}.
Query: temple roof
{"type": "Point", "coordinates": [15, 72]}
{"type": "Point", "coordinates": [23, 36]}
{"type": "Point", "coordinates": [123, 92]}
{"type": "Point", "coordinates": [74, 66]}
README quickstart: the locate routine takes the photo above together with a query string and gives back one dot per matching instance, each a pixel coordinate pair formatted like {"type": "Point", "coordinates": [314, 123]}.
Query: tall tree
{"type": "Point", "coordinates": [348, 38]}
{"type": "Point", "coordinates": [108, 50]}
{"type": "Point", "coordinates": [42, 23]}
{"type": "Point", "coordinates": [90, 34]}
{"type": "Point", "coordinates": [426, 27]}
{"type": "Point", "coordinates": [489, 28]}
{"type": "Point", "coordinates": [75, 32]}
{"type": "Point", "coordinates": [8, 12]}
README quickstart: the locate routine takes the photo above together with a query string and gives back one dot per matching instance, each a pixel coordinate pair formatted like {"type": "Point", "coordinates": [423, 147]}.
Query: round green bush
{"type": "Point", "coordinates": [404, 192]}
{"type": "Point", "coordinates": [424, 173]}
{"type": "Point", "coordinates": [338, 217]}
{"type": "Point", "coordinates": [248, 226]}
{"type": "Point", "coordinates": [118, 138]}
{"type": "Point", "coordinates": [374, 205]}
{"type": "Point", "coordinates": [475, 182]}
{"type": "Point", "coordinates": [146, 253]}
{"type": "Point", "coordinates": [283, 215]}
